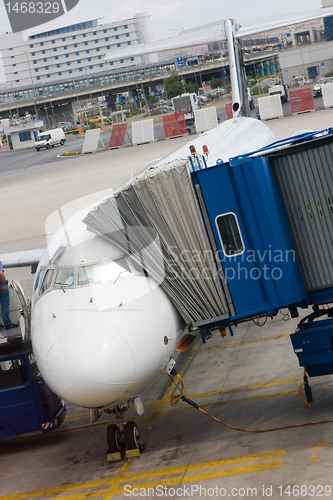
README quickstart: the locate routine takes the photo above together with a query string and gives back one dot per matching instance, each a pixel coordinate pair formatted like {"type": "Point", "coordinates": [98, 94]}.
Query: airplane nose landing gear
{"type": "Point", "coordinates": [123, 439]}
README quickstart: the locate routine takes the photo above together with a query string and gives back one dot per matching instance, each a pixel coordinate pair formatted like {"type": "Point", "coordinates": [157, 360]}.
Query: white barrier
{"type": "Point", "coordinates": [270, 107]}
{"type": "Point", "coordinates": [91, 141]}
{"type": "Point", "coordinates": [143, 131]}
{"type": "Point", "coordinates": [327, 91]}
{"type": "Point", "coordinates": [205, 119]}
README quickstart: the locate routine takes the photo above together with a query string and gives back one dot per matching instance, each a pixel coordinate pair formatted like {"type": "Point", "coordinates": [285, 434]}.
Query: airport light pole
{"type": "Point", "coordinates": [32, 83]}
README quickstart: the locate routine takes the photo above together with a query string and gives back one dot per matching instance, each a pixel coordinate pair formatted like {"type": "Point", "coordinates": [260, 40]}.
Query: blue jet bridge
{"type": "Point", "coordinates": [271, 218]}
{"type": "Point", "coordinates": [238, 240]}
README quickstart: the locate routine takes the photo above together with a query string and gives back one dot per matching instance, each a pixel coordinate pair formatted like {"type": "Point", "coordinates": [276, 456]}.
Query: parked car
{"type": "Point", "coordinates": [98, 119]}
{"type": "Point", "coordinates": [69, 127]}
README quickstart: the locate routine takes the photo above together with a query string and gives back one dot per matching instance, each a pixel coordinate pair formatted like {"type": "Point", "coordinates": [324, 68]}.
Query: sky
{"type": "Point", "coordinates": [168, 16]}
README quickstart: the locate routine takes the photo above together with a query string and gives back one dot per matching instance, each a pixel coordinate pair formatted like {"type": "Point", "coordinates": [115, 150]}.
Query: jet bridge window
{"type": "Point", "coordinates": [64, 277]}
{"type": "Point", "coordinates": [230, 234]}
{"type": "Point", "coordinates": [101, 272]}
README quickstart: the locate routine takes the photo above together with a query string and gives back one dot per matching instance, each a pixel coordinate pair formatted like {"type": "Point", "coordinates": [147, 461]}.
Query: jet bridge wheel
{"type": "Point", "coordinates": [113, 438]}
{"type": "Point", "coordinates": [132, 437]}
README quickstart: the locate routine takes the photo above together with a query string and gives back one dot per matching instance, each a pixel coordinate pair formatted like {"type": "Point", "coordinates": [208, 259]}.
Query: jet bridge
{"type": "Point", "coordinates": [238, 240]}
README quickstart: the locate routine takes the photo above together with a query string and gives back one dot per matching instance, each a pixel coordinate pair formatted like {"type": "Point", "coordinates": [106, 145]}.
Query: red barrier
{"type": "Point", "coordinates": [118, 135]}
{"type": "Point", "coordinates": [301, 100]}
{"type": "Point", "coordinates": [228, 110]}
{"type": "Point", "coordinates": [174, 125]}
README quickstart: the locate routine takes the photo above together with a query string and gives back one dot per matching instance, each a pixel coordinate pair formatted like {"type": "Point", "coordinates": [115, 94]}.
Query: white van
{"type": "Point", "coordinates": [50, 138]}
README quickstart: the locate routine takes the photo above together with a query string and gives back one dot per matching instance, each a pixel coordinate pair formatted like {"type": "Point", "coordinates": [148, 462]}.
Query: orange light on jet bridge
{"type": "Point", "coordinates": [193, 150]}
{"type": "Point", "coordinates": [205, 149]}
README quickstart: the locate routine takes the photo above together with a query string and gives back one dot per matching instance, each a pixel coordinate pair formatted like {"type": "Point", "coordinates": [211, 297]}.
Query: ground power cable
{"type": "Point", "coordinates": [181, 397]}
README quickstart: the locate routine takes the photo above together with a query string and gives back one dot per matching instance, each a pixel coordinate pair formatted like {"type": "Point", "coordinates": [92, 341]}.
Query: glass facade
{"type": "Point", "coordinates": [121, 77]}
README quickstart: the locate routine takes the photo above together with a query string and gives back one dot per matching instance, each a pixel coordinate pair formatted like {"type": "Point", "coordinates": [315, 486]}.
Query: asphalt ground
{"type": "Point", "coordinates": [250, 380]}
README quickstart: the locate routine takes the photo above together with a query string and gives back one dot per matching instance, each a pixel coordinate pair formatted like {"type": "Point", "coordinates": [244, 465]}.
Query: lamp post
{"type": "Point", "coordinates": [32, 84]}
{"type": "Point", "coordinates": [45, 108]}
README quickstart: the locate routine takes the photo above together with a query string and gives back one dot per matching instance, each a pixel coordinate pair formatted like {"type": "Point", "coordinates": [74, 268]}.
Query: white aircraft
{"type": "Point", "coordinates": [102, 329]}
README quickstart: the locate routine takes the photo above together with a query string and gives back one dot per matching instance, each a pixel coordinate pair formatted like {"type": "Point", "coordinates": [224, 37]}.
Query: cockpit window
{"type": "Point", "coordinates": [101, 272]}
{"type": "Point", "coordinates": [64, 277]}
{"type": "Point", "coordinates": [39, 278]}
{"type": "Point", "coordinates": [89, 274]}
{"type": "Point", "coordinates": [46, 281]}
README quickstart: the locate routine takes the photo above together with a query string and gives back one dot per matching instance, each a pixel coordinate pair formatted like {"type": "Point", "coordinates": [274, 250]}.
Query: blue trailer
{"type": "Point", "coordinates": [26, 402]}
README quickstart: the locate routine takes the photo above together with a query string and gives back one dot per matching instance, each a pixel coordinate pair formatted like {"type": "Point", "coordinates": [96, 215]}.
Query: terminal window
{"type": "Point", "coordinates": [25, 136]}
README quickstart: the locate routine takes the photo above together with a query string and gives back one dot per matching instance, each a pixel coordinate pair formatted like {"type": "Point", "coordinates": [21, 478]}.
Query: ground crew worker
{"type": "Point", "coordinates": [4, 299]}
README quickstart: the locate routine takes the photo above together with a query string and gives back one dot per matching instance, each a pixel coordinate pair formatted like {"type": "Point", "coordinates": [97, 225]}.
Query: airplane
{"type": "Point", "coordinates": [102, 328]}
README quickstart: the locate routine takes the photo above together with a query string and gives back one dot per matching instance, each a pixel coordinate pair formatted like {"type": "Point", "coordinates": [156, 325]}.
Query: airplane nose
{"type": "Point", "coordinates": [90, 367]}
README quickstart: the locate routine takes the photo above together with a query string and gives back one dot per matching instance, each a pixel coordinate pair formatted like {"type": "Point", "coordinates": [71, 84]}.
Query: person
{"type": "Point", "coordinates": [4, 299]}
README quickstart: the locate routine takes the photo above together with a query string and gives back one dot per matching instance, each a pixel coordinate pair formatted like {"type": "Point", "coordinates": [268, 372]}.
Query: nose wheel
{"type": "Point", "coordinates": [132, 437]}
{"type": "Point", "coordinates": [123, 440]}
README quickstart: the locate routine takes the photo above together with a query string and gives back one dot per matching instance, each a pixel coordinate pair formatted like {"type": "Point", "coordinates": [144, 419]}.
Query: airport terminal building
{"type": "Point", "coordinates": [70, 52]}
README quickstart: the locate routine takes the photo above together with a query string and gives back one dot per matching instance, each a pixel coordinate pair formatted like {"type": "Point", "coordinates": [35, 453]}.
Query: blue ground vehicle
{"type": "Point", "coordinates": [26, 402]}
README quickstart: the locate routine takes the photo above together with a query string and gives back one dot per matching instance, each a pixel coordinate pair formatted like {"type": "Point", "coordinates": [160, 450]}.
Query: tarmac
{"type": "Point", "coordinates": [250, 380]}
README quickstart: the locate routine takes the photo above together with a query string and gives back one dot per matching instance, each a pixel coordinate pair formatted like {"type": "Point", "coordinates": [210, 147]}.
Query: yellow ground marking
{"type": "Point", "coordinates": [245, 342]}
{"type": "Point", "coordinates": [321, 446]}
{"type": "Point", "coordinates": [102, 487]}
{"type": "Point", "coordinates": [314, 459]}
{"type": "Point", "coordinates": [246, 388]}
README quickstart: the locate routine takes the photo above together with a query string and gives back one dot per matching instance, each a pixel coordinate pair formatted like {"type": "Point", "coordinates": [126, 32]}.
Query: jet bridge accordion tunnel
{"type": "Point", "coordinates": [237, 240]}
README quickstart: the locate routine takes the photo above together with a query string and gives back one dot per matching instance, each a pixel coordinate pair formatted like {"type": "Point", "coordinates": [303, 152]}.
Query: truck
{"type": "Point", "coordinates": [187, 104]}
{"type": "Point", "coordinates": [279, 89]}
{"type": "Point", "coordinates": [50, 138]}
{"type": "Point", "coordinates": [27, 404]}
{"type": "Point", "coordinates": [299, 80]}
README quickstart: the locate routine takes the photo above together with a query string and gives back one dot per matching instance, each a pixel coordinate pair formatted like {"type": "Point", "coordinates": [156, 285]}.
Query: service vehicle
{"type": "Point", "coordinates": [50, 138]}
{"type": "Point", "coordinates": [317, 89]}
{"type": "Point", "coordinates": [187, 104]}
{"type": "Point", "coordinates": [281, 90]}
{"type": "Point", "coordinates": [27, 404]}
{"type": "Point", "coordinates": [299, 80]}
